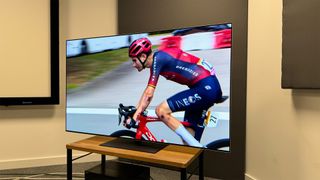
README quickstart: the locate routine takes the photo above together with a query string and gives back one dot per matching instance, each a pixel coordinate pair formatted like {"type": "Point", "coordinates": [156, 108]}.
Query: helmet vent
{"type": "Point", "coordinates": [135, 50]}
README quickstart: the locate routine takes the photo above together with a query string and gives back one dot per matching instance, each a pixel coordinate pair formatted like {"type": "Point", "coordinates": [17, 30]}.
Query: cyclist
{"type": "Point", "coordinates": [183, 68]}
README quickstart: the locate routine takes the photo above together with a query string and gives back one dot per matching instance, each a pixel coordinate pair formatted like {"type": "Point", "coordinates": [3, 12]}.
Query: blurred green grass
{"type": "Point", "coordinates": [83, 69]}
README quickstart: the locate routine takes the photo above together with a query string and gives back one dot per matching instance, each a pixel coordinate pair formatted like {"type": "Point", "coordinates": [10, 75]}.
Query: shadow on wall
{"type": "Point", "coordinates": [27, 112]}
{"type": "Point", "coordinates": [306, 99]}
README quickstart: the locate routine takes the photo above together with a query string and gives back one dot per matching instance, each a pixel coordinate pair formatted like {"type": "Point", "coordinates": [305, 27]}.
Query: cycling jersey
{"type": "Point", "coordinates": [178, 66]}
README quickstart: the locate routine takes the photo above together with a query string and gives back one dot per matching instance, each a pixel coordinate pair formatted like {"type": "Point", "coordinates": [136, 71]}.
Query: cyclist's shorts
{"type": "Point", "coordinates": [200, 96]}
{"type": "Point", "coordinates": [196, 101]}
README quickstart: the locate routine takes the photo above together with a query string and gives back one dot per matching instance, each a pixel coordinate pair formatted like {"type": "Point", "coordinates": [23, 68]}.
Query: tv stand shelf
{"type": "Point", "coordinates": [172, 157]}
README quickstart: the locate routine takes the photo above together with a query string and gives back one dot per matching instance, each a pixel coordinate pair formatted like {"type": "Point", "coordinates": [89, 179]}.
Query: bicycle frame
{"type": "Point", "coordinates": [126, 112]}
{"type": "Point", "coordinates": [144, 130]}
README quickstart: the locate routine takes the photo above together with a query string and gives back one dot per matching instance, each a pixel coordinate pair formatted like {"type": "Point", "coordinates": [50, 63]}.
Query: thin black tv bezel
{"type": "Point", "coordinates": [54, 67]}
{"type": "Point", "coordinates": [159, 31]}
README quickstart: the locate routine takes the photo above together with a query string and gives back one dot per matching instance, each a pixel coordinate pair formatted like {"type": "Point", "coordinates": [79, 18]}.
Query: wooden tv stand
{"type": "Point", "coordinates": [172, 157]}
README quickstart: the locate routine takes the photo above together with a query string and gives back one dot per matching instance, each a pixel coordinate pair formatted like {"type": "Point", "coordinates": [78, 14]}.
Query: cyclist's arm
{"type": "Point", "coordinates": [149, 91]}
{"type": "Point", "coordinates": [144, 101]}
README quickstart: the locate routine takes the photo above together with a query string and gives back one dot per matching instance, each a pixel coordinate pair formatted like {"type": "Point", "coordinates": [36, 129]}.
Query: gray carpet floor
{"type": "Point", "coordinates": [58, 172]}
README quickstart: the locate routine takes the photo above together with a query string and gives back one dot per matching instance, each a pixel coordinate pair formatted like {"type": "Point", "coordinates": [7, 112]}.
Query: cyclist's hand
{"type": "Point", "coordinates": [126, 121]}
{"type": "Point", "coordinates": [129, 123]}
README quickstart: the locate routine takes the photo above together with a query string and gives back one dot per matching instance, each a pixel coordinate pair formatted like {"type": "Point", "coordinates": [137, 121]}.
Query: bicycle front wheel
{"type": "Point", "coordinates": [218, 144]}
{"type": "Point", "coordinates": [125, 133]}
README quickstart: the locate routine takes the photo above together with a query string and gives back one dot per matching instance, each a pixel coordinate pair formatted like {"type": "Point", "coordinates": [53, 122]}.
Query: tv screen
{"type": "Point", "coordinates": [182, 76]}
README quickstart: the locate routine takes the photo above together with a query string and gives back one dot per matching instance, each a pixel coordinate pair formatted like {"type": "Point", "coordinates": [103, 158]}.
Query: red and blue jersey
{"type": "Point", "coordinates": [178, 66]}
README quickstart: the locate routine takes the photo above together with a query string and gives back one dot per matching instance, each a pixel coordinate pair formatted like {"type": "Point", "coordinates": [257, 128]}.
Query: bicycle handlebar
{"type": "Point", "coordinates": [126, 112]}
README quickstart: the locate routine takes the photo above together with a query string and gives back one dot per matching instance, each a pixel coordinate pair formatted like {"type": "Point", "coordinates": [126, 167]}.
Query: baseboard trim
{"type": "Point", "coordinates": [46, 161]}
{"type": "Point", "coordinates": [249, 177]}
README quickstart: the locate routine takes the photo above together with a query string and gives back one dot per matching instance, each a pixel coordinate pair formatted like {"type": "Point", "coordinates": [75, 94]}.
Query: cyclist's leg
{"type": "Point", "coordinates": [191, 131]}
{"type": "Point", "coordinates": [164, 113]}
{"type": "Point", "coordinates": [199, 97]}
{"type": "Point", "coordinates": [196, 118]}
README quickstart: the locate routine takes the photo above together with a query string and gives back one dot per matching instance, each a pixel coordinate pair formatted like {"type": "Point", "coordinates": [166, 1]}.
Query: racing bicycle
{"type": "Point", "coordinates": [142, 132]}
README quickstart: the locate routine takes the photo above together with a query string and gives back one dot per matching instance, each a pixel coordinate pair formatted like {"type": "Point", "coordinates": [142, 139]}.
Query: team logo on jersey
{"type": "Point", "coordinates": [194, 73]}
{"type": "Point", "coordinates": [207, 87]}
{"type": "Point", "coordinates": [192, 99]}
{"type": "Point", "coordinates": [188, 101]}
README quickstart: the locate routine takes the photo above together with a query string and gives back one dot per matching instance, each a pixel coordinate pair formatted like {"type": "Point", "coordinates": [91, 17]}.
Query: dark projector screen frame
{"type": "Point", "coordinates": [54, 66]}
{"type": "Point", "coordinates": [300, 45]}
{"type": "Point", "coordinates": [146, 16]}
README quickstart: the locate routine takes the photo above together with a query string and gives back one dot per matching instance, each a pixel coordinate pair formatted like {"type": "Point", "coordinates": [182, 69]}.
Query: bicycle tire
{"type": "Point", "coordinates": [125, 133]}
{"type": "Point", "coordinates": [218, 144]}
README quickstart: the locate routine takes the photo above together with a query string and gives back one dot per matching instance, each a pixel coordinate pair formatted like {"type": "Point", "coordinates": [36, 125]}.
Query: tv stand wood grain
{"type": "Point", "coordinates": [171, 157]}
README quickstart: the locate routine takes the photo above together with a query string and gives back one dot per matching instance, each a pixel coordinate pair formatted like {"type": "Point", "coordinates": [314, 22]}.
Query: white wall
{"type": "Point", "coordinates": [35, 135]}
{"type": "Point", "coordinates": [283, 125]}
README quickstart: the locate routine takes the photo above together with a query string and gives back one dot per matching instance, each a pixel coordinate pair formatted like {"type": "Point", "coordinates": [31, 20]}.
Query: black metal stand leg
{"type": "Point", "coordinates": [69, 164]}
{"type": "Point", "coordinates": [201, 175]}
{"type": "Point", "coordinates": [103, 164]}
{"type": "Point", "coordinates": [184, 174]}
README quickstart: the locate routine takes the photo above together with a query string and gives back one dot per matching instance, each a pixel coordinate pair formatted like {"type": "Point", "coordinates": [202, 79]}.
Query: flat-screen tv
{"type": "Point", "coordinates": [181, 75]}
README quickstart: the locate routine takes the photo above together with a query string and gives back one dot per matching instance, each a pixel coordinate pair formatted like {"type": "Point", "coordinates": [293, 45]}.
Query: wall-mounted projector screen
{"type": "Point", "coordinates": [301, 44]}
{"type": "Point", "coordinates": [29, 66]}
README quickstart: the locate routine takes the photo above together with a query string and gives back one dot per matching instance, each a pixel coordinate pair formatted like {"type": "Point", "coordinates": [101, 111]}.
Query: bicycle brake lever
{"type": "Point", "coordinates": [132, 124]}
{"type": "Point", "coordinates": [119, 119]}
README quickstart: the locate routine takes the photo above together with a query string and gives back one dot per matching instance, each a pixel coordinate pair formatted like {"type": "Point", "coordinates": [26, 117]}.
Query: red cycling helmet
{"type": "Point", "coordinates": [142, 45]}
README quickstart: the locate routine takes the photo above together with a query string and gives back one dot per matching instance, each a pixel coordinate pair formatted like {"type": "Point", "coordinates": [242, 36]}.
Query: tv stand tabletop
{"type": "Point", "coordinates": [171, 155]}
